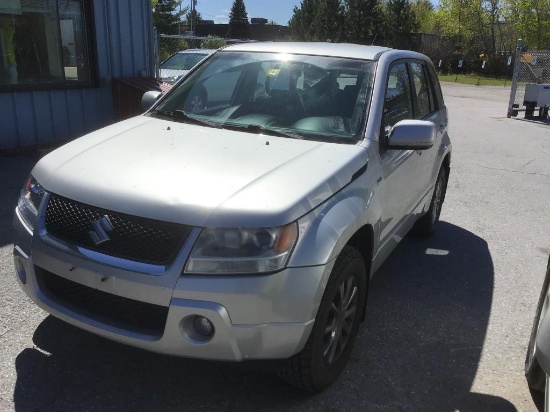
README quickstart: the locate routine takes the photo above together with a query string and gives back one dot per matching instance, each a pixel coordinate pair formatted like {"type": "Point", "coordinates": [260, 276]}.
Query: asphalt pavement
{"type": "Point", "coordinates": [448, 317]}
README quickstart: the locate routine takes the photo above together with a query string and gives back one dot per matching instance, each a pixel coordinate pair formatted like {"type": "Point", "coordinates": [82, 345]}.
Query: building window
{"type": "Point", "coordinates": [45, 44]}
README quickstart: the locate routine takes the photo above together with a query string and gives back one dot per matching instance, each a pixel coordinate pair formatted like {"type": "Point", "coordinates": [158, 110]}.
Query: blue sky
{"type": "Point", "coordinates": [280, 11]}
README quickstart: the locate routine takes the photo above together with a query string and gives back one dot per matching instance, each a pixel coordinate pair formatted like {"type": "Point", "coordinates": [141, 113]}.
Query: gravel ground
{"type": "Point", "coordinates": [448, 317]}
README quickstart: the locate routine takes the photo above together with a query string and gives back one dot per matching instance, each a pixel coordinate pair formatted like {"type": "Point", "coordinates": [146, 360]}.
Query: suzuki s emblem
{"type": "Point", "coordinates": [100, 228]}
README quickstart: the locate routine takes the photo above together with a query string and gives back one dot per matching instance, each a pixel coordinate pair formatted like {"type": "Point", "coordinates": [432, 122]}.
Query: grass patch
{"type": "Point", "coordinates": [473, 79]}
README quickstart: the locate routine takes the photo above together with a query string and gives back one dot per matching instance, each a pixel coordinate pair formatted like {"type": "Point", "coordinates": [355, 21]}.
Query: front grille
{"type": "Point", "coordinates": [133, 238]}
{"type": "Point", "coordinates": [106, 308]}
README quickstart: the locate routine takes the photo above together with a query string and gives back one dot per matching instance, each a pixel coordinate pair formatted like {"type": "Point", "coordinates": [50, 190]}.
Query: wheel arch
{"type": "Point", "coordinates": [363, 242]}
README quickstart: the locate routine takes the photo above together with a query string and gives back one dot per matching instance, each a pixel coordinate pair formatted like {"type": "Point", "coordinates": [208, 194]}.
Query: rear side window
{"type": "Point", "coordinates": [436, 88]}
{"type": "Point", "coordinates": [424, 105]}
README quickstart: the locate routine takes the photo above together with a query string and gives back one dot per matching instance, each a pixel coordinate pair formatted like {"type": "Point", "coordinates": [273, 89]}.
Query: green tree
{"type": "Point", "coordinates": [531, 22]}
{"type": "Point", "coordinates": [319, 20]}
{"type": "Point", "coordinates": [460, 18]}
{"type": "Point", "coordinates": [329, 21]}
{"type": "Point", "coordinates": [400, 24]}
{"type": "Point", "coordinates": [425, 15]}
{"type": "Point", "coordinates": [303, 19]}
{"type": "Point", "coordinates": [167, 16]}
{"type": "Point", "coordinates": [212, 42]}
{"type": "Point", "coordinates": [239, 27]}
{"type": "Point", "coordinates": [363, 19]}
{"type": "Point", "coordinates": [481, 25]}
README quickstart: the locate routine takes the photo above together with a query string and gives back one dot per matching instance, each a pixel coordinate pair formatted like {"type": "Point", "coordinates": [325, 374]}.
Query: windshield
{"type": "Point", "coordinates": [309, 97]}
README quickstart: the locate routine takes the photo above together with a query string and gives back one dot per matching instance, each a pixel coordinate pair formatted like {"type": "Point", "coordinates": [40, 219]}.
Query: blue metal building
{"type": "Point", "coordinates": [57, 62]}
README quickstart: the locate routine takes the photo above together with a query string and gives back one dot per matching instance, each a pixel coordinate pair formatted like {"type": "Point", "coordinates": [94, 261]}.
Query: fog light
{"type": "Point", "coordinates": [203, 326]}
{"type": "Point", "coordinates": [21, 272]}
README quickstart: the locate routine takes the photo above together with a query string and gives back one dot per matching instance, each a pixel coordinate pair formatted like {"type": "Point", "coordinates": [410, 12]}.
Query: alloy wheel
{"type": "Point", "coordinates": [342, 312]}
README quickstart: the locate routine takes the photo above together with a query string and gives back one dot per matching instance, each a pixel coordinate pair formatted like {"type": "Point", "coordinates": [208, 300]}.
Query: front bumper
{"type": "Point", "coordinates": [254, 317]}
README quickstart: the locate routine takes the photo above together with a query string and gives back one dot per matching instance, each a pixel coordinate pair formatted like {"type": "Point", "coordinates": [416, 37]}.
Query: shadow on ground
{"type": "Point", "coordinates": [13, 172]}
{"type": "Point", "coordinates": [536, 120]}
{"type": "Point", "coordinates": [418, 350]}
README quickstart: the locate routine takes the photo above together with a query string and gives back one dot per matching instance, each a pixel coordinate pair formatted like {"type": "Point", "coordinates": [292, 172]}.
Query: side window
{"type": "Point", "coordinates": [421, 91]}
{"type": "Point", "coordinates": [398, 100]}
{"type": "Point", "coordinates": [438, 95]}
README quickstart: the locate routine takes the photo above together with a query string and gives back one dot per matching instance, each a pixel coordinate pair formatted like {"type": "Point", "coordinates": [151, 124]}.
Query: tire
{"type": "Point", "coordinates": [425, 226]}
{"type": "Point", "coordinates": [332, 338]}
{"type": "Point", "coordinates": [536, 378]}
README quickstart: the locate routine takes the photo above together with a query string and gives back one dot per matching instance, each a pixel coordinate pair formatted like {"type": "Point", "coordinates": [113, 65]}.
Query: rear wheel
{"type": "Point", "coordinates": [329, 346]}
{"type": "Point", "coordinates": [426, 224]}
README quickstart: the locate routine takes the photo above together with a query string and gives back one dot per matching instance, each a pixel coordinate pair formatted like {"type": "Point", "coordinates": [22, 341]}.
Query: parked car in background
{"type": "Point", "coordinates": [180, 63]}
{"type": "Point", "coordinates": [243, 215]}
{"type": "Point", "coordinates": [537, 361]}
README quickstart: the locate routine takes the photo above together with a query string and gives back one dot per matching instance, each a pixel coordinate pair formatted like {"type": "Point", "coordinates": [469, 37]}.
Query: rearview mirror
{"type": "Point", "coordinates": [149, 99]}
{"type": "Point", "coordinates": [412, 135]}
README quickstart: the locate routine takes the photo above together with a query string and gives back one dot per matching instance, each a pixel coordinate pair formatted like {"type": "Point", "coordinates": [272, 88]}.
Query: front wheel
{"type": "Point", "coordinates": [329, 346]}
{"type": "Point", "coordinates": [536, 378]}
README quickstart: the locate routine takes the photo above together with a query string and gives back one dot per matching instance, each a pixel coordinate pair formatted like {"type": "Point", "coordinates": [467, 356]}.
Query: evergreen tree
{"type": "Point", "coordinates": [196, 18]}
{"type": "Point", "coordinates": [303, 19]}
{"type": "Point", "coordinates": [239, 27]}
{"type": "Point", "coordinates": [167, 16]}
{"type": "Point", "coordinates": [318, 20]}
{"type": "Point", "coordinates": [363, 19]}
{"type": "Point", "coordinates": [400, 25]}
{"type": "Point", "coordinates": [329, 21]}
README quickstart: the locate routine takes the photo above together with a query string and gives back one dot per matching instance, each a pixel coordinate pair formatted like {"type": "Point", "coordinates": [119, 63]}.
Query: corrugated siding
{"type": "Point", "coordinates": [123, 34]}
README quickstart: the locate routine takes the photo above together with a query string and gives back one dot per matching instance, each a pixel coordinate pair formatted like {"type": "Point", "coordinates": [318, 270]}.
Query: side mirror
{"type": "Point", "coordinates": [412, 135]}
{"type": "Point", "coordinates": [149, 99]}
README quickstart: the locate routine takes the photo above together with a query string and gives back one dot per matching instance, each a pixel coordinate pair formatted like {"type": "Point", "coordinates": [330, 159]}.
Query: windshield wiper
{"type": "Point", "coordinates": [182, 115]}
{"type": "Point", "coordinates": [257, 128]}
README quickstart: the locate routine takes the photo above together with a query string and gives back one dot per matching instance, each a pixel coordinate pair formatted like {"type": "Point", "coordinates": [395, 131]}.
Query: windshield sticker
{"type": "Point", "coordinates": [273, 72]}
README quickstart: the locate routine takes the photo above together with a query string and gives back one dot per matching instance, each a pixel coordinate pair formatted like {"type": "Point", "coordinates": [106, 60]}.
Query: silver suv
{"type": "Point", "coordinates": [242, 216]}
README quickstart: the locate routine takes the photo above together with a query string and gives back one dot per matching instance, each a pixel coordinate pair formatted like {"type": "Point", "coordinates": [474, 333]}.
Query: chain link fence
{"type": "Point", "coordinates": [530, 68]}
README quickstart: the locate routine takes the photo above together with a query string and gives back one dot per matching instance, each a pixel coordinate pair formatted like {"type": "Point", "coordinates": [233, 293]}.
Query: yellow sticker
{"type": "Point", "coordinates": [273, 72]}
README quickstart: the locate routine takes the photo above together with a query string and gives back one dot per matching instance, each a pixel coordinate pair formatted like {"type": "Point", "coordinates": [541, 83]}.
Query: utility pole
{"type": "Point", "coordinates": [193, 8]}
{"type": "Point", "coordinates": [179, 24]}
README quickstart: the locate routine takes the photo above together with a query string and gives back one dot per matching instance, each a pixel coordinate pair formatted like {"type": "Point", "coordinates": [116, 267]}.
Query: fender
{"type": "Point", "coordinates": [325, 231]}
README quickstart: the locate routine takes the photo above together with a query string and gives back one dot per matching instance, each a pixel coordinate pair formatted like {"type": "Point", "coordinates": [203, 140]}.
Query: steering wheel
{"type": "Point", "coordinates": [196, 99]}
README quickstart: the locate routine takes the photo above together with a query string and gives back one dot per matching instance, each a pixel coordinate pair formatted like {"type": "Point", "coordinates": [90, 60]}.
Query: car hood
{"type": "Point", "coordinates": [198, 175]}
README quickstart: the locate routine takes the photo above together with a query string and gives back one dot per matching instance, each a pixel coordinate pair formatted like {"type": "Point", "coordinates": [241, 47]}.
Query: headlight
{"type": "Point", "coordinates": [29, 201]}
{"type": "Point", "coordinates": [224, 251]}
